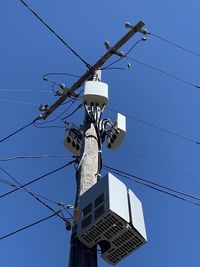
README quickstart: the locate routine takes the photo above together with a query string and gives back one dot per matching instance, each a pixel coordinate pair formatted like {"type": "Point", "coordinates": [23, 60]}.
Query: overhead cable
{"type": "Point", "coordinates": [18, 102]}
{"type": "Point", "coordinates": [49, 126]}
{"type": "Point", "coordinates": [44, 77]}
{"type": "Point", "coordinates": [33, 157]}
{"type": "Point", "coordinates": [25, 189]}
{"type": "Point", "coordinates": [159, 128]}
{"type": "Point", "coordinates": [174, 44]}
{"type": "Point", "coordinates": [3, 181]}
{"type": "Point", "coordinates": [24, 91]}
{"type": "Point", "coordinates": [38, 178]}
{"type": "Point", "coordinates": [19, 130]}
{"type": "Point", "coordinates": [31, 194]}
{"type": "Point", "coordinates": [165, 73]}
{"type": "Point", "coordinates": [163, 189]}
{"type": "Point", "coordinates": [31, 225]}
{"type": "Point", "coordinates": [59, 37]}
{"type": "Point", "coordinates": [161, 164]}
{"type": "Point", "coordinates": [62, 113]}
{"type": "Point", "coordinates": [73, 112]}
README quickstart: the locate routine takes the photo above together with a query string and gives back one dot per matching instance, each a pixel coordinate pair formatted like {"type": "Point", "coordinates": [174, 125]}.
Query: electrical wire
{"type": "Point", "coordinates": [165, 73]}
{"type": "Point", "coordinates": [59, 37]}
{"type": "Point", "coordinates": [24, 189]}
{"type": "Point", "coordinates": [122, 57]}
{"type": "Point", "coordinates": [57, 117]}
{"type": "Point", "coordinates": [31, 194]}
{"type": "Point", "coordinates": [159, 128]}
{"type": "Point", "coordinates": [3, 181]}
{"type": "Point", "coordinates": [172, 192]}
{"type": "Point", "coordinates": [19, 130]}
{"type": "Point", "coordinates": [31, 225]}
{"type": "Point", "coordinates": [73, 112]}
{"type": "Point", "coordinates": [161, 164]}
{"type": "Point", "coordinates": [18, 102]}
{"type": "Point", "coordinates": [44, 77]}
{"type": "Point", "coordinates": [174, 44]}
{"type": "Point", "coordinates": [49, 126]}
{"type": "Point", "coordinates": [38, 178]}
{"type": "Point", "coordinates": [24, 91]}
{"type": "Point", "coordinates": [34, 157]}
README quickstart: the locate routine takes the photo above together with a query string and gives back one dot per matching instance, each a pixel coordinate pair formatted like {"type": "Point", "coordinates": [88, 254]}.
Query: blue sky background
{"type": "Point", "coordinates": [29, 50]}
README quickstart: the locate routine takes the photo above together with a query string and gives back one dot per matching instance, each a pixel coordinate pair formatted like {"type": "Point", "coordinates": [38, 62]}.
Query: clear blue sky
{"type": "Point", "coordinates": [29, 50]}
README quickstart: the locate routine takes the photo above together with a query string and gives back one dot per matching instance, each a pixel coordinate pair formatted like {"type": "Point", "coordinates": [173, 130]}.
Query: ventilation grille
{"type": "Point", "coordinates": [104, 227]}
{"type": "Point", "coordinates": [122, 238]}
{"type": "Point", "coordinates": [125, 244]}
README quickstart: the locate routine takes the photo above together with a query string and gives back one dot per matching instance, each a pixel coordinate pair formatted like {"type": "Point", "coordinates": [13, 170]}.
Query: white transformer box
{"type": "Point", "coordinates": [118, 132]}
{"type": "Point", "coordinates": [95, 93]}
{"type": "Point", "coordinates": [111, 216]}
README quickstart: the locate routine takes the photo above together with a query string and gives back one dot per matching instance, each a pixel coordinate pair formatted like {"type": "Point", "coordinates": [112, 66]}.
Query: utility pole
{"type": "Point", "coordinates": [87, 175]}
{"type": "Point", "coordinates": [89, 166]}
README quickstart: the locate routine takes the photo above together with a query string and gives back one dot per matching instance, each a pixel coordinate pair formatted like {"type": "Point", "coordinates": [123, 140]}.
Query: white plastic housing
{"type": "Point", "coordinates": [95, 93]}
{"type": "Point", "coordinates": [118, 132]}
{"type": "Point", "coordinates": [136, 213]}
{"type": "Point", "coordinates": [105, 218]}
{"type": "Point", "coordinates": [71, 140]}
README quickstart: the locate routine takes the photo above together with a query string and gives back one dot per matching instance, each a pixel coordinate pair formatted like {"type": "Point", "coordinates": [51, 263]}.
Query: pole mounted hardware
{"type": "Point", "coordinates": [111, 215]}
{"type": "Point", "coordinates": [116, 52]}
{"type": "Point", "coordinates": [90, 72]}
{"type": "Point", "coordinates": [143, 31]}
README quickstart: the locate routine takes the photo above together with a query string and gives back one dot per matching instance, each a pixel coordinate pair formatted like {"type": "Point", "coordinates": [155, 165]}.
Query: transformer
{"type": "Point", "coordinates": [111, 216]}
{"type": "Point", "coordinates": [95, 93]}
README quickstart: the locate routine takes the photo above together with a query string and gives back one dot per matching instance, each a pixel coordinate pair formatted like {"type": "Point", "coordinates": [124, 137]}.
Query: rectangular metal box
{"type": "Point", "coordinates": [111, 215]}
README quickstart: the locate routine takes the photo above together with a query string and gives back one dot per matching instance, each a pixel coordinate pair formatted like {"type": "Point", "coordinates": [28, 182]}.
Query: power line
{"type": "Point", "coordinates": [62, 113]}
{"type": "Point", "coordinates": [24, 91]}
{"type": "Point", "coordinates": [161, 164]}
{"type": "Point", "coordinates": [3, 181]}
{"type": "Point", "coordinates": [19, 130]}
{"type": "Point", "coordinates": [32, 194]}
{"type": "Point", "coordinates": [30, 225]}
{"type": "Point", "coordinates": [49, 126]}
{"type": "Point", "coordinates": [24, 189]}
{"type": "Point", "coordinates": [37, 179]}
{"type": "Point", "coordinates": [165, 73]}
{"type": "Point", "coordinates": [160, 188]}
{"type": "Point", "coordinates": [174, 44]}
{"type": "Point", "coordinates": [158, 127]}
{"type": "Point", "coordinates": [35, 194]}
{"type": "Point", "coordinates": [18, 102]}
{"type": "Point", "coordinates": [34, 157]}
{"type": "Point", "coordinates": [59, 37]}
{"type": "Point", "coordinates": [73, 112]}
{"type": "Point", "coordinates": [44, 77]}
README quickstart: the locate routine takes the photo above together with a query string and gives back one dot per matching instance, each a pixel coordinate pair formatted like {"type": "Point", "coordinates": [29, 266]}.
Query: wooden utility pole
{"type": "Point", "coordinates": [86, 177]}
{"type": "Point", "coordinates": [90, 159]}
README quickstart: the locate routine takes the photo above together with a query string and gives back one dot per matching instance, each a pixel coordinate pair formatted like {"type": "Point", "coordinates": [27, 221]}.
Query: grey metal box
{"type": "Point", "coordinates": [107, 216]}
